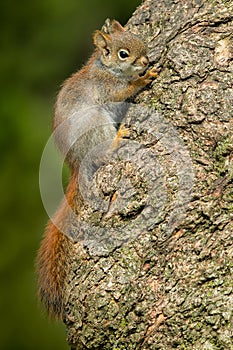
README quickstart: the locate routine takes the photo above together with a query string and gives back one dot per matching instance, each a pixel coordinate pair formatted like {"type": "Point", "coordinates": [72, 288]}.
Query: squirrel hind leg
{"type": "Point", "coordinates": [123, 132]}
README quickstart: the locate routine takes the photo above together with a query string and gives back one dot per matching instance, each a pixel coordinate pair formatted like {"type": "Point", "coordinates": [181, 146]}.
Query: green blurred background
{"type": "Point", "coordinates": [42, 43]}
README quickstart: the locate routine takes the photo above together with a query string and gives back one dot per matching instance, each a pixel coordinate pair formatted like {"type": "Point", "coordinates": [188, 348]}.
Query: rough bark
{"type": "Point", "coordinates": [153, 270]}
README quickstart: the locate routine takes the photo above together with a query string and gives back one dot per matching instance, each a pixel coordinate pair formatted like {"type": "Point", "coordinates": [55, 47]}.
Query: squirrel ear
{"type": "Point", "coordinates": [102, 40]}
{"type": "Point", "coordinates": [116, 26]}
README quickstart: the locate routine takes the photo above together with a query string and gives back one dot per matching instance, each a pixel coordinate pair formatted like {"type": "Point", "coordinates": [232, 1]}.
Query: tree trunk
{"type": "Point", "coordinates": [152, 268]}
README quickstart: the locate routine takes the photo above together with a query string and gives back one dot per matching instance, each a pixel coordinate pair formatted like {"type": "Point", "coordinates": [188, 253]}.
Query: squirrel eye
{"type": "Point", "coordinates": [123, 54]}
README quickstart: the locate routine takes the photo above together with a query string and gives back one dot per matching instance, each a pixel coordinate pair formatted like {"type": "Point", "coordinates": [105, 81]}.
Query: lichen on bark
{"type": "Point", "coordinates": [161, 277]}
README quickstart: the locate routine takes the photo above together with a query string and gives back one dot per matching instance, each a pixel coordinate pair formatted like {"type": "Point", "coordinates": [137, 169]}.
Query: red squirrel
{"type": "Point", "coordinates": [89, 107]}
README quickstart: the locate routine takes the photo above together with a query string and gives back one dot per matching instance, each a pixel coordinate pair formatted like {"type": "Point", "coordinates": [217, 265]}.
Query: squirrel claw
{"type": "Point", "coordinates": [152, 73]}
{"type": "Point", "coordinates": [122, 132]}
{"type": "Point", "coordinates": [147, 78]}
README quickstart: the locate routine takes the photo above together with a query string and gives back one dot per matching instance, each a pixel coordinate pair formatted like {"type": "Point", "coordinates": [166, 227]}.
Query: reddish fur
{"type": "Point", "coordinates": [53, 258]}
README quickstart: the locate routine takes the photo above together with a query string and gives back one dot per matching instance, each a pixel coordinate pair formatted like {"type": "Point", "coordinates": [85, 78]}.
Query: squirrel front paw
{"type": "Point", "coordinates": [150, 75]}
{"type": "Point", "coordinates": [147, 78]}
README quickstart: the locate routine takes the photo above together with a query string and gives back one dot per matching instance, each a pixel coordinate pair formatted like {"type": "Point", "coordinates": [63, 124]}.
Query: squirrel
{"type": "Point", "coordinates": [89, 108]}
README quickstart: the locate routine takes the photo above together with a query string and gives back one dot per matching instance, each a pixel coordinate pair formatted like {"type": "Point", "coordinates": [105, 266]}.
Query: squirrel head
{"type": "Point", "coordinates": [120, 51]}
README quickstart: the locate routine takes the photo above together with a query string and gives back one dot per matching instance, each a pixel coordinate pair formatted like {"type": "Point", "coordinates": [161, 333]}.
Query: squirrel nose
{"type": "Point", "coordinates": [144, 61]}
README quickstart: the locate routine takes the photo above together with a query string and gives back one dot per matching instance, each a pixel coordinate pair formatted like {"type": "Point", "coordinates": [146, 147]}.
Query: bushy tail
{"type": "Point", "coordinates": [53, 259]}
